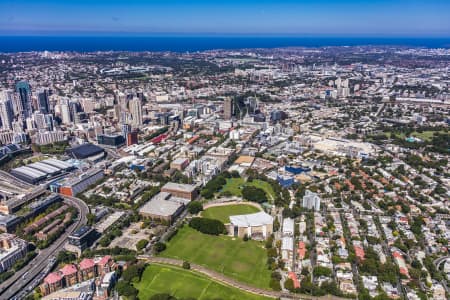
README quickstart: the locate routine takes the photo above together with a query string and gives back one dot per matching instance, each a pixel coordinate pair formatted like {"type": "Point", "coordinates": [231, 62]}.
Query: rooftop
{"type": "Point", "coordinates": [256, 219]}
{"type": "Point", "coordinates": [179, 187]}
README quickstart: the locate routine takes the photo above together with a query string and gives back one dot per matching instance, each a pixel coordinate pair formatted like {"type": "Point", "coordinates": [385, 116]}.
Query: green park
{"type": "Point", "coordinates": [245, 261]}
{"type": "Point", "coordinates": [180, 283]}
{"type": "Point", "coordinates": [223, 213]}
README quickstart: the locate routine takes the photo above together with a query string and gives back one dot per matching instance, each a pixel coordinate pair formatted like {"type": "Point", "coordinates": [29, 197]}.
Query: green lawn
{"type": "Point", "coordinates": [235, 185]}
{"type": "Point", "coordinates": [181, 283]}
{"type": "Point", "coordinates": [223, 213]}
{"type": "Point", "coordinates": [244, 261]}
{"type": "Point", "coordinates": [424, 135]}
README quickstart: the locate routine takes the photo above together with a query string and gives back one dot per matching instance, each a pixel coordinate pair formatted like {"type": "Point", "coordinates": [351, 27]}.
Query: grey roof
{"type": "Point", "coordinates": [288, 225]}
{"type": "Point", "coordinates": [44, 168]}
{"type": "Point", "coordinates": [57, 163]}
{"type": "Point", "coordinates": [179, 186]}
{"type": "Point", "coordinates": [256, 219]}
{"type": "Point", "coordinates": [159, 205]}
{"type": "Point", "coordinates": [32, 173]}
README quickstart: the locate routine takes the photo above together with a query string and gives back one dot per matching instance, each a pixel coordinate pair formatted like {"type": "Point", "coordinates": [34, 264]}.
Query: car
{"type": "Point", "coordinates": [25, 275]}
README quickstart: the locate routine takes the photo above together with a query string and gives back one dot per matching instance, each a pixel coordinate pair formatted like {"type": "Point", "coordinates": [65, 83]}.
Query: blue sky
{"type": "Point", "coordinates": [283, 17]}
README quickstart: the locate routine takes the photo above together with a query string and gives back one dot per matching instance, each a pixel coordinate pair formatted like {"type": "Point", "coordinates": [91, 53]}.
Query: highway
{"type": "Point", "coordinates": [17, 287]}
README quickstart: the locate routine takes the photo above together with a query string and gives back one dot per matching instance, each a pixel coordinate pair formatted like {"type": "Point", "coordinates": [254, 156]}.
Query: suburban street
{"type": "Point", "coordinates": [16, 283]}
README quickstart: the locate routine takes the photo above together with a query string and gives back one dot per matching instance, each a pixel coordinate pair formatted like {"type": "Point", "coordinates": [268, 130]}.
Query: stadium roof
{"type": "Point", "coordinates": [29, 172]}
{"type": "Point", "coordinates": [57, 163]}
{"type": "Point", "coordinates": [85, 151]}
{"type": "Point", "coordinates": [44, 168]}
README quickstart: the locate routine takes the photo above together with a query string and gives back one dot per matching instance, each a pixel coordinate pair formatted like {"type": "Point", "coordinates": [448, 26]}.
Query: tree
{"type": "Point", "coordinates": [159, 247]}
{"type": "Point", "coordinates": [275, 284]}
{"type": "Point", "coordinates": [141, 244]}
{"type": "Point", "coordinates": [66, 257]}
{"type": "Point", "coordinates": [208, 226]}
{"type": "Point", "coordinates": [90, 218]}
{"type": "Point", "coordinates": [289, 285]}
{"type": "Point", "coordinates": [186, 265]}
{"type": "Point", "coordinates": [133, 271]}
{"type": "Point", "coordinates": [195, 207]}
{"type": "Point", "coordinates": [126, 289]}
{"type": "Point", "coordinates": [254, 194]}
{"type": "Point", "coordinates": [322, 271]}
{"type": "Point", "coordinates": [162, 297]}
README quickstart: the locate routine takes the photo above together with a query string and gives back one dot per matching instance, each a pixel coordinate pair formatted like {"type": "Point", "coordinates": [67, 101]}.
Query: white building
{"type": "Point", "coordinates": [12, 249]}
{"type": "Point", "coordinates": [311, 200]}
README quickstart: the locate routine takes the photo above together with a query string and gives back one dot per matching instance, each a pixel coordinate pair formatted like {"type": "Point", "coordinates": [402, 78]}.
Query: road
{"type": "Point", "coordinates": [233, 283]}
{"type": "Point", "coordinates": [16, 284]}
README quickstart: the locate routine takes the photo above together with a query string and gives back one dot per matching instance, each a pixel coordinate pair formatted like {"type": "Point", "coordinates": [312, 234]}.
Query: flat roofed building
{"type": "Point", "coordinates": [288, 227]}
{"type": "Point", "coordinates": [258, 225]}
{"type": "Point", "coordinates": [179, 164]}
{"type": "Point", "coordinates": [162, 207]}
{"type": "Point", "coordinates": [79, 184]}
{"type": "Point", "coordinates": [12, 249]}
{"type": "Point", "coordinates": [187, 191]}
{"type": "Point", "coordinates": [28, 174]}
{"type": "Point", "coordinates": [81, 239]}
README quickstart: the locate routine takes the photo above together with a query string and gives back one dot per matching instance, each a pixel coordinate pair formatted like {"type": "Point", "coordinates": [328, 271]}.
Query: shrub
{"type": "Point", "coordinates": [207, 226]}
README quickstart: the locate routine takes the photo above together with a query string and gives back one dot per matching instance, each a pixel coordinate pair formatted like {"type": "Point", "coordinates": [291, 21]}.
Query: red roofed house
{"type": "Point", "coordinates": [87, 269]}
{"type": "Point", "coordinates": [105, 265]}
{"type": "Point", "coordinates": [301, 250]}
{"type": "Point", "coordinates": [294, 279]}
{"type": "Point", "coordinates": [359, 252]}
{"type": "Point", "coordinates": [70, 274]}
{"type": "Point", "coordinates": [52, 283]}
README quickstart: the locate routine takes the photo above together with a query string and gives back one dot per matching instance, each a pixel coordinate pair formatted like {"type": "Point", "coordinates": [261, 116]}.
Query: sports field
{"type": "Point", "coordinates": [222, 213]}
{"type": "Point", "coordinates": [243, 261]}
{"type": "Point", "coordinates": [235, 186]}
{"type": "Point", "coordinates": [183, 284]}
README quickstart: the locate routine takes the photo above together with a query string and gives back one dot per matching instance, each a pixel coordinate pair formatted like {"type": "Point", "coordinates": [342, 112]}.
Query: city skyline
{"type": "Point", "coordinates": [285, 18]}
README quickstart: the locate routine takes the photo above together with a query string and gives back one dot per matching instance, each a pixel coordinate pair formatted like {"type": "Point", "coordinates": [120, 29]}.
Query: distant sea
{"type": "Point", "coordinates": [196, 43]}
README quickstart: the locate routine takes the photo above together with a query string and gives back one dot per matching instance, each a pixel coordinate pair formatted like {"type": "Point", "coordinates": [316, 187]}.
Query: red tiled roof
{"type": "Point", "coordinates": [404, 271]}
{"type": "Point", "coordinates": [359, 252]}
{"type": "Point", "coordinates": [68, 270]}
{"type": "Point", "coordinates": [294, 279]}
{"type": "Point", "coordinates": [301, 250]}
{"type": "Point", "coordinates": [87, 263]}
{"type": "Point", "coordinates": [397, 254]}
{"type": "Point", "coordinates": [104, 260]}
{"type": "Point", "coordinates": [159, 138]}
{"type": "Point", "coordinates": [52, 278]}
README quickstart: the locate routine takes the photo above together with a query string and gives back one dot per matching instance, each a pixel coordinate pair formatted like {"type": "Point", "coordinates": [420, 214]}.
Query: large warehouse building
{"type": "Point", "coordinates": [40, 171]}
{"type": "Point", "coordinates": [73, 186]}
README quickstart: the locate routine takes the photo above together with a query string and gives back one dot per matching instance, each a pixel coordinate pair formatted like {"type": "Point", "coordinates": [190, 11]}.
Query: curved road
{"type": "Point", "coordinates": [15, 284]}
{"type": "Point", "coordinates": [232, 282]}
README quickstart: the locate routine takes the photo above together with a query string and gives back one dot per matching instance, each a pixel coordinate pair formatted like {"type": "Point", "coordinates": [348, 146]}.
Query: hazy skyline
{"type": "Point", "coordinates": [320, 17]}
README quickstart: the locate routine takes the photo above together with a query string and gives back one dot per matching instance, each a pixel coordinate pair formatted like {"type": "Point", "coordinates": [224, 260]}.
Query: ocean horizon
{"type": "Point", "coordinates": [14, 44]}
